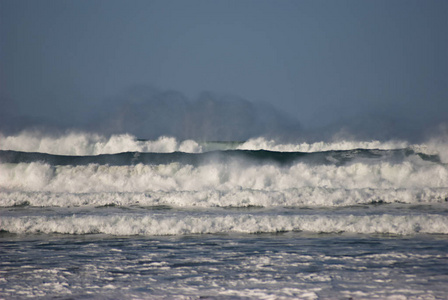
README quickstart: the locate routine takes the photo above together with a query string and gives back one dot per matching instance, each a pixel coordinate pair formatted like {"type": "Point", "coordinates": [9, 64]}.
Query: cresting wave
{"type": "Point", "coordinates": [223, 157]}
{"type": "Point", "coordinates": [413, 173]}
{"type": "Point", "coordinates": [233, 184]}
{"type": "Point", "coordinates": [77, 143]}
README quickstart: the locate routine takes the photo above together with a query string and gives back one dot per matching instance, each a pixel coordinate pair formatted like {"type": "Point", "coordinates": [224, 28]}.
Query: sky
{"type": "Point", "coordinates": [319, 62]}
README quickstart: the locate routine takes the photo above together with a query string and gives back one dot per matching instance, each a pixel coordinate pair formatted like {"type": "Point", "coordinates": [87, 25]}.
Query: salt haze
{"type": "Point", "coordinates": [226, 70]}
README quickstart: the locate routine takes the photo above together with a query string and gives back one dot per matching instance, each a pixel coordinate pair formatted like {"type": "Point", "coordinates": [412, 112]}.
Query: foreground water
{"type": "Point", "coordinates": [235, 266]}
{"type": "Point", "coordinates": [84, 216]}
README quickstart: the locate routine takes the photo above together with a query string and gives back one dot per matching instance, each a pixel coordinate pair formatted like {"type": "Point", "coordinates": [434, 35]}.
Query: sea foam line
{"type": "Point", "coordinates": [212, 224]}
{"type": "Point", "coordinates": [296, 197]}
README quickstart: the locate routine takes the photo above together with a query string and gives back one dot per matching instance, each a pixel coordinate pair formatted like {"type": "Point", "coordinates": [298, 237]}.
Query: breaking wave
{"type": "Point", "coordinates": [77, 143]}
{"type": "Point", "coordinates": [85, 183]}
{"type": "Point", "coordinates": [181, 224]}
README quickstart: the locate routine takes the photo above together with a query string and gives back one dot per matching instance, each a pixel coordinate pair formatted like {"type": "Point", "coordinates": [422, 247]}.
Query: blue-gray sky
{"type": "Point", "coordinates": [320, 61]}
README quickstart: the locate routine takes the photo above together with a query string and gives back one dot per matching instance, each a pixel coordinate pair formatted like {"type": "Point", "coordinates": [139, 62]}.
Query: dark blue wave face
{"type": "Point", "coordinates": [248, 156]}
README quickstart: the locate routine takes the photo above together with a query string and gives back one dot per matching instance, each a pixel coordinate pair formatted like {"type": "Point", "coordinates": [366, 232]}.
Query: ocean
{"type": "Point", "coordinates": [88, 216]}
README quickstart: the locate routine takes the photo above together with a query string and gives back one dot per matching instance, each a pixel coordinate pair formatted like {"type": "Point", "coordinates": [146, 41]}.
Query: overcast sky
{"type": "Point", "coordinates": [320, 61]}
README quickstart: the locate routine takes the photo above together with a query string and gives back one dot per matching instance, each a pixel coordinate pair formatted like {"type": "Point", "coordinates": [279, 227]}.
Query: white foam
{"type": "Point", "coordinates": [413, 173]}
{"type": "Point", "coordinates": [299, 197]}
{"type": "Point", "coordinates": [265, 144]}
{"type": "Point", "coordinates": [435, 146]}
{"type": "Point", "coordinates": [79, 143]}
{"type": "Point", "coordinates": [182, 224]}
{"type": "Point", "coordinates": [76, 143]}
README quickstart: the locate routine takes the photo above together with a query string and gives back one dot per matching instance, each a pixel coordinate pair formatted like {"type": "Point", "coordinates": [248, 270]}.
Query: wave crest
{"type": "Point", "coordinates": [411, 173]}
{"type": "Point", "coordinates": [93, 144]}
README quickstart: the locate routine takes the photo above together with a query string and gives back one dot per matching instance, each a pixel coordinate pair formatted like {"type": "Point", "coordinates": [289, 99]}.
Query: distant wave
{"type": "Point", "coordinates": [77, 143]}
{"type": "Point", "coordinates": [227, 156]}
{"type": "Point", "coordinates": [266, 144]}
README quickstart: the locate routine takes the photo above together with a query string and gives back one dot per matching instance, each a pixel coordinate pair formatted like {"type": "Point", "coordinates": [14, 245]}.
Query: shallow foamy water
{"type": "Point", "coordinates": [262, 266]}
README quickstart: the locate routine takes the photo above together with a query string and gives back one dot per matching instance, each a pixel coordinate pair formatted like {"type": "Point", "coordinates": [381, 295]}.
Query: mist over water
{"type": "Point", "coordinates": [147, 112]}
{"type": "Point", "coordinates": [150, 113]}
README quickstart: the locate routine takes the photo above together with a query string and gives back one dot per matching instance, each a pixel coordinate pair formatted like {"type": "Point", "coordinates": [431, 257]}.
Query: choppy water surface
{"type": "Point", "coordinates": [286, 265]}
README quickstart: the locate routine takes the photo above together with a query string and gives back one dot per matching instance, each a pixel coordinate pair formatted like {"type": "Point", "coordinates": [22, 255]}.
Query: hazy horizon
{"type": "Point", "coordinates": [308, 69]}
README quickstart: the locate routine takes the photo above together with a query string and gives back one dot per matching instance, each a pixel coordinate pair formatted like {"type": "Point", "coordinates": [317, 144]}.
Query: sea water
{"type": "Point", "coordinates": [87, 216]}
